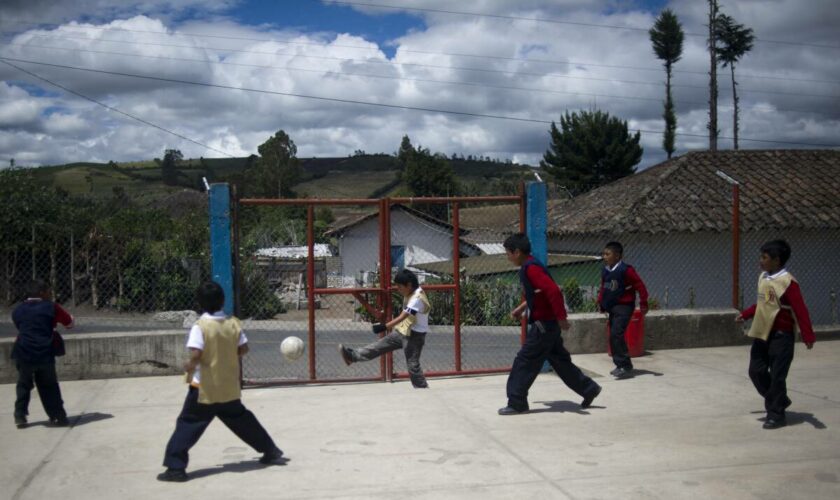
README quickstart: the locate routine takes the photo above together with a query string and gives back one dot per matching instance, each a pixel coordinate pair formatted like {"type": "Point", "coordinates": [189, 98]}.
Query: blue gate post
{"type": "Point", "coordinates": [537, 226]}
{"type": "Point", "coordinates": [221, 264]}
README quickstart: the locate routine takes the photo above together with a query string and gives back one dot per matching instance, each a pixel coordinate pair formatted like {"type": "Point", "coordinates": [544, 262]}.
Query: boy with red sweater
{"type": "Point", "coordinates": [617, 297]}
{"type": "Point", "coordinates": [777, 316]}
{"type": "Point", "coordinates": [546, 313]}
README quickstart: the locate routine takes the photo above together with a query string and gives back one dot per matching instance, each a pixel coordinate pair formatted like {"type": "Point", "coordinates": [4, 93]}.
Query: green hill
{"type": "Point", "coordinates": [362, 176]}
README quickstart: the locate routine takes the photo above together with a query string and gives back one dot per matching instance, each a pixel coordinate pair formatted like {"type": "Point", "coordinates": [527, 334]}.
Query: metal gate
{"type": "Point", "coordinates": [327, 289]}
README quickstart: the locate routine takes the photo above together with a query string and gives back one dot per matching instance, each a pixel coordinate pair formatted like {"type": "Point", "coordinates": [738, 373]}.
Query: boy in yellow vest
{"type": "Point", "coordinates": [216, 344]}
{"type": "Point", "coordinates": [778, 315]}
{"type": "Point", "coordinates": [409, 334]}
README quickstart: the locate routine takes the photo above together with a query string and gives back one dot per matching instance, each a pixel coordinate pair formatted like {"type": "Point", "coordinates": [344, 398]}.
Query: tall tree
{"type": "Point", "coordinates": [713, 88]}
{"type": "Point", "coordinates": [406, 151]}
{"type": "Point", "coordinates": [590, 149]}
{"type": "Point", "coordinates": [278, 167]}
{"type": "Point", "coordinates": [667, 38]}
{"type": "Point", "coordinates": [169, 166]}
{"type": "Point", "coordinates": [735, 41]}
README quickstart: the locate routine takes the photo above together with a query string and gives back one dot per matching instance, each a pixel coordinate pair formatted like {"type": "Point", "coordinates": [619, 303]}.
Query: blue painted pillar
{"type": "Point", "coordinates": [221, 264]}
{"type": "Point", "coordinates": [537, 220]}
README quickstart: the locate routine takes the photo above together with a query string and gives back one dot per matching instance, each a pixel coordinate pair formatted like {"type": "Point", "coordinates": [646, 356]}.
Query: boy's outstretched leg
{"type": "Point", "coordinates": [574, 378]}
{"type": "Point", "coordinates": [526, 367]}
{"type": "Point", "coordinates": [388, 343]}
{"type": "Point", "coordinates": [245, 425]}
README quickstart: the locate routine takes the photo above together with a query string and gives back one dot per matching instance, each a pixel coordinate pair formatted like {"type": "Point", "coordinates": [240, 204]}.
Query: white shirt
{"type": "Point", "coordinates": [417, 308]}
{"type": "Point", "coordinates": [778, 274]}
{"type": "Point", "coordinates": [195, 340]}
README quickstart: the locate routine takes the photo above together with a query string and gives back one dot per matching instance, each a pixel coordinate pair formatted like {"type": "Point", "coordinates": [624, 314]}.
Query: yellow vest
{"type": "Point", "coordinates": [404, 326]}
{"type": "Point", "coordinates": [219, 361]}
{"type": "Point", "coordinates": [769, 304]}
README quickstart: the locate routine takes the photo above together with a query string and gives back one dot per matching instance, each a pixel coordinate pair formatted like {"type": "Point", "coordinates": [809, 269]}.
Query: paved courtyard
{"type": "Point", "coordinates": [687, 427]}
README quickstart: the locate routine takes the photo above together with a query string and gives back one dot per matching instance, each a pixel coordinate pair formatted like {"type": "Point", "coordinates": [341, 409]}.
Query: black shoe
{"type": "Point", "coordinates": [508, 410]}
{"type": "Point", "coordinates": [272, 456]}
{"type": "Point", "coordinates": [422, 386]}
{"type": "Point", "coordinates": [21, 423]}
{"type": "Point", "coordinates": [587, 401]}
{"type": "Point", "coordinates": [622, 373]}
{"type": "Point", "coordinates": [59, 422]}
{"type": "Point", "coordinates": [345, 354]}
{"type": "Point", "coordinates": [173, 476]}
{"type": "Point", "coordinates": [773, 423]}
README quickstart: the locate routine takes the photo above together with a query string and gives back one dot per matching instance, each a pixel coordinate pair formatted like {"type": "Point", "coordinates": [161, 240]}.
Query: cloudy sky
{"type": "Point", "coordinates": [526, 59]}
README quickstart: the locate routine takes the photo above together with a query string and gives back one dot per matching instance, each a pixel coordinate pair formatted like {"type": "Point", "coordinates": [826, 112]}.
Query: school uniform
{"type": "Point", "coordinates": [34, 352]}
{"type": "Point", "coordinates": [617, 297]}
{"type": "Point", "coordinates": [215, 391]}
{"type": "Point", "coordinates": [543, 340]}
{"type": "Point", "coordinates": [409, 335]}
{"type": "Point", "coordinates": [778, 315]}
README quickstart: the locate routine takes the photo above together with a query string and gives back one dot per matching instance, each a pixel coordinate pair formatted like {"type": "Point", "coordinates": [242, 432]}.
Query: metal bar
{"type": "Point", "coordinates": [382, 296]}
{"type": "Point", "coordinates": [310, 286]}
{"type": "Point", "coordinates": [386, 284]}
{"type": "Point", "coordinates": [523, 219]}
{"type": "Point", "coordinates": [456, 274]}
{"type": "Point", "coordinates": [736, 245]}
{"type": "Point", "coordinates": [369, 308]}
{"type": "Point", "coordinates": [459, 199]}
{"type": "Point", "coordinates": [308, 201]}
{"type": "Point", "coordinates": [345, 291]}
{"type": "Point", "coordinates": [253, 384]}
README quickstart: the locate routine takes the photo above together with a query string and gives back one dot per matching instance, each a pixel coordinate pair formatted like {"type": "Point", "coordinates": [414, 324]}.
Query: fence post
{"type": "Point", "coordinates": [220, 245]}
{"type": "Point", "coordinates": [537, 220]}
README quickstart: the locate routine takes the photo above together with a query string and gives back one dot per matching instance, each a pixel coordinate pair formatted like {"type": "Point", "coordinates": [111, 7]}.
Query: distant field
{"type": "Point", "coordinates": [346, 184]}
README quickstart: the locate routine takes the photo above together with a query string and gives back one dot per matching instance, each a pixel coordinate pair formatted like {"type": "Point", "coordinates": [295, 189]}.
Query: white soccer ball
{"type": "Point", "coordinates": [292, 348]}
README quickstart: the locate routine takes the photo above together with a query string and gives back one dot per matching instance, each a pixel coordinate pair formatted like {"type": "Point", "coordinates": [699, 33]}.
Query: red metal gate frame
{"type": "Point", "coordinates": [383, 292]}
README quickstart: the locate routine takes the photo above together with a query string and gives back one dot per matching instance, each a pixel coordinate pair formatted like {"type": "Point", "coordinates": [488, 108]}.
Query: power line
{"type": "Point", "coordinates": [112, 108]}
{"type": "Point", "coordinates": [390, 63]}
{"type": "Point", "coordinates": [369, 103]}
{"type": "Point", "coordinates": [556, 21]}
{"type": "Point", "coordinates": [414, 51]}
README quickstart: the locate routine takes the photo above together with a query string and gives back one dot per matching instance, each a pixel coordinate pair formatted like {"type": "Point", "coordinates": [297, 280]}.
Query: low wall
{"type": "Point", "coordinates": [142, 353]}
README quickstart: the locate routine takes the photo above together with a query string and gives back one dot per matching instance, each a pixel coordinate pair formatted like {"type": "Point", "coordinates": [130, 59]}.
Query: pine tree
{"type": "Point", "coordinates": [736, 40]}
{"type": "Point", "coordinates": [667, 38]}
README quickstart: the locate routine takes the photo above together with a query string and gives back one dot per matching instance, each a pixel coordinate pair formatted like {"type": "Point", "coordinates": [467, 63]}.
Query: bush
{"type": "Point", "coordinates": [258, 300]}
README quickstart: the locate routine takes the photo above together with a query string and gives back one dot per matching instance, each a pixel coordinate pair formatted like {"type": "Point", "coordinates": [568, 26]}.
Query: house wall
{"type": "Point", "coordinates": [695, 269]}
{"type": "Point", "coordinates": [423, 241]}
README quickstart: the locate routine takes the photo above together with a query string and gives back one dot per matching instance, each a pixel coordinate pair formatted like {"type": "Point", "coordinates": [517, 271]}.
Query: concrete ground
{"type": "Point", "coordinates": [689, 426]}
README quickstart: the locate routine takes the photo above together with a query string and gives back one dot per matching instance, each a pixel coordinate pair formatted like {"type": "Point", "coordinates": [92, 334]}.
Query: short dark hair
{"type": "Point", "coordinates": [616, 247]}
{"type": "Point", "coordinates": [211, 297]}
{"type": "Point", "coordinates": [407, 278]}
{"type": "Point", "coordinates": [36, 288]}
{"type": "Point", "coordinates": [518, 241]}
{"type": "Point", "coordinates": [777, 249]}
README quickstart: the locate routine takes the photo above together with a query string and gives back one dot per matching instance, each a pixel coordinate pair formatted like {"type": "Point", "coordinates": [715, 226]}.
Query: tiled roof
{"type": "Point", "coordinates": [780, 189]}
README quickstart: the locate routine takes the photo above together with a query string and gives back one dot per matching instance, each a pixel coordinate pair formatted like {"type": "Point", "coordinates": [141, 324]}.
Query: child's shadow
{"type": "Point", "coordinates": [563, 407]}
{"type": "Point", "coordinates": [796, 418]}
{"type": "Point", "coordinates": [75, 421]}
{"type": "Point", "coordinates": [237, 467]}
{"type": "Point", "coordinates": [637, 372]}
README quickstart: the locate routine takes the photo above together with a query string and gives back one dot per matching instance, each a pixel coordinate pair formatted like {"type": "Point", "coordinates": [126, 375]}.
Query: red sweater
{"type": "Point", "coordinates": [784, 320]}
{"type": "Point", "coordinates": [548, 299]}
{"type": "Point", "coordinates": [633, 284]}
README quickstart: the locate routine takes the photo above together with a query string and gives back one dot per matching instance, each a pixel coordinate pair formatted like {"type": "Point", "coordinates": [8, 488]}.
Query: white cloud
{"type": "Point", "coordinates": [592, 67]}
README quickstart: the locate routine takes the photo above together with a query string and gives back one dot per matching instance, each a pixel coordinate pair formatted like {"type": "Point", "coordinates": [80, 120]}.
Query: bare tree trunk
{"type": "Point", "coordinates": [34, 273]}
{"type": "Point", "coordinates": [120, 287]}
{"type": "Point", "coordinates": [735, 102]}
{"type": "Point", "coordinates": [11, 271]}
{"type": "Point", "coordinates": [713, 88]}
{"type": "Point", "coordinates": [54, 268]}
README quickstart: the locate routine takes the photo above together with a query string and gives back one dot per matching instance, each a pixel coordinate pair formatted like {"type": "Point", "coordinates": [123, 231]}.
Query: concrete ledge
{"type": "Point", "coordinates": [110, 355]}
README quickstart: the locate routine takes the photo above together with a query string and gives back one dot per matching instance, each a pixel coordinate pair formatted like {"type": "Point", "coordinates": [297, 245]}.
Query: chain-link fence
{"type": "Point", "coordinates": [119, 269]}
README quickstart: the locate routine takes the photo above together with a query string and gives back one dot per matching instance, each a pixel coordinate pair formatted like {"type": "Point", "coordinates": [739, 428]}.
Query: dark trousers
{"type": "Point", "coordinates": [43, 377]}
{"type": "Point", "coordinates": [412, 345]}
{"type": "Point", "coordinates": [769, 364]}
{"type": "Point", "coordinates": [194, 419]}
{"type": "Point", "coordinates": [620, 316]}
{"type": "Point", "coordinates": [543, 342]}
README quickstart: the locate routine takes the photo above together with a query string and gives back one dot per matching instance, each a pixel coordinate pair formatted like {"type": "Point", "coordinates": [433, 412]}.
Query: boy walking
{"type": "Point", "coordinates": [34, 353]}
{"type": "Point", "coordinates": [546, 313]}
{"type": "Point", "coordinates": [778, 315]}
{"type": "Point", "coordinates": [409, 331]}
{"type": "Point", "coordinates": [617, 297]}
{"type": "Point", "coordinates": [216, 343]}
